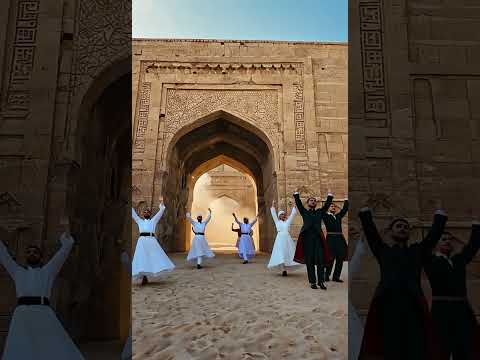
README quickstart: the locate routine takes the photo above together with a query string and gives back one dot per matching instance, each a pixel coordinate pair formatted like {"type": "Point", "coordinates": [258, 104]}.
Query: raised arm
{"type": "Point", "coordinates": [236, 220]}
{"type": "Point", "coordinates": [135, 216]}
{"type": "Point", "coordinates": [344, 210]}
{"type": "Point", "coordinates": [473, 245]}
{"type": "Point", "coordinates": [292, 215]}
{"type": "Point", "coordinates": [371, 233]}
{"type": "Point", "coordinates": [274, 214]}
{"type": "Point", "coordinates": [189, 218]}
{"type": "Point", "coordinates": [209, 217]}
{"type": "Point", "coordinates": [327, 203]}
{"type": "Point", "coordinates": [159, 214]}
{"type": "Point", "coordinates": [57, 261]}
{"type": "Point", "coordinates": [6, 260]}
{"type": "Point", "coordinates": [254, 221]}
{"type": "Point", "coordinates": [298, 203]}
{"type": "Point", "coordinates": [435, 233]}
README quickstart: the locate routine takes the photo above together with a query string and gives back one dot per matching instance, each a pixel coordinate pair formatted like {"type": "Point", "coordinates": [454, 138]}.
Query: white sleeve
{"type": "Point", "coordinates": [209, 217]}
{"type": "Point", "coordinates": [292, 216]}
{"type": "Point", "coordinates": [135, 216]}
{"type": "Point", "coordinates": [357, 254]}
{"type": "Point", "coordinates": [56, 263]}
{"type": "Point", "coordinates": [274, 215]}
{"type": "Point", "coordinates": [6, 260]}
{"type": "Point", "coordinates": [159, 214]}
{"type": "Point", "coordinates": [189, 217]}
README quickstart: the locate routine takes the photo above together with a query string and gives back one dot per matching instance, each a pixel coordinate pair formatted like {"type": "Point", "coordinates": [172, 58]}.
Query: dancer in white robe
{"type": "Point", "coordinates": [149, 260]}
{"type": "Point", "coordinates": [35, 332]}
{"type": "Point", "coordinates": [284, 246]}
{"type": "Point", "coordinates": [355, 324]}
{"type": "Point", "coordinates": [246, 248]}
{"type": "Point", "coordinates": [127, 349]}
{"type": "Point", "coordinates": [199, 247]}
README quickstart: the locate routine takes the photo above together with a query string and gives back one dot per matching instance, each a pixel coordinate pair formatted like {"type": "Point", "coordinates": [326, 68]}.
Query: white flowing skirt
{"type": "Point", "coordinates": [245, 246]}
{"type": "Point", "coordinates": [149, 259]}
{"type": "Point", "coordinates": [283, 251]}
{"type": "Point", "coordinates": [199, 248]}
{"type": "Point", "coordinates": [355, 332]}
{"type": "Point", "coordinates": [36, 334]}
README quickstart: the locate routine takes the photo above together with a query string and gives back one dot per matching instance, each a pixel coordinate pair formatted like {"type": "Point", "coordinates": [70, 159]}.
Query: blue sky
{"type": "Point", "coordinates": [293, 20]}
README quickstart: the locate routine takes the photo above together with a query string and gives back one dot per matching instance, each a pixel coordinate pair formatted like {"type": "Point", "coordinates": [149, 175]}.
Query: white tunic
{"type": "Point", "coordinates": [284, 246]}
{"type": "Point", "coordinates": [246, 248]}
{"type": "Point", "coordinates": [35, 332]}
{"type": "Point", "coordinates": [355, 324]}
{"type": "Point", "coordinates": [199, 242]}
{"type": "Point", "coordinates": [149, 258]}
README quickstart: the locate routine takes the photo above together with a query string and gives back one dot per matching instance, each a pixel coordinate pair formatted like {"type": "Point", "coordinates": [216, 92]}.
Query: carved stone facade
{"type": "Point", "coordinates": [62, 66]}
{"type": "Point", "coordinates": [274, 110]}
{"type": "Point", "coordinates": [414, 119]}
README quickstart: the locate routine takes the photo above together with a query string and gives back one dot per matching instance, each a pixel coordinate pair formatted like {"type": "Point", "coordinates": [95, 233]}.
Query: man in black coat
{"type": "Point", "coordinates": [398, 325]}
{"type": "Point", "coordinates": [312, 249]}
{"type": "Point", "coordinates": [336, 240]}
{"type": "Point", "coordinates": [452, 314]}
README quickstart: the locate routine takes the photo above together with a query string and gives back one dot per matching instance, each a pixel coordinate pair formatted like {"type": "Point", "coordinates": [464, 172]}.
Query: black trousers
{"type": "Point", "coordinates": [454, 322]}
{"type": "Point", "coordinates": [312, 277]}
{"type": "Point", "coordinates": [338, 268]}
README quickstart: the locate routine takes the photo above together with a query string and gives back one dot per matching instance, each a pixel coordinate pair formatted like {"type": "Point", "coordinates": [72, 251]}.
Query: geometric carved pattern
{"type": "Point", "coordinates": [102, 37]}
{"type": "Point", "coordinates": [299, 117]}
{"type": "Point", "coordinates": [142, 117]}
{"type": "Point", "coordinates": [185, 106]}
{"type": "Point", "coordinates": [200, 68]}
{"type": "Point", "coordinates": [18, 95]}
{"type": "Point", "coordinates": [371, 41]}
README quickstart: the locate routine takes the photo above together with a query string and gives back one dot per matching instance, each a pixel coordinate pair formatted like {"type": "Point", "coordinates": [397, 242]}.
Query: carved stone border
{"type": "Point", "coordinates": [23, 55]}
{"type": "Point", "coordinates": [142, 115]}
{"type": "Point", "coordinates": [371, 41]}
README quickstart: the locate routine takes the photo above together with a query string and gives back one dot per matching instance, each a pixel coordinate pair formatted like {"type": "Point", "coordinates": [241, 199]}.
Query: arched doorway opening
{"type": "Point", "coordinates": [99, 198]}
{"type": "Point", "coordinates": [226, 190]}
{"type": "Point", "coordinates": [220, 138]}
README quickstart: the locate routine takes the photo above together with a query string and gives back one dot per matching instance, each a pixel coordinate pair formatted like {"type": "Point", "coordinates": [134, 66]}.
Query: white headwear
{"type": "Point", "coordinates": [281, 212]}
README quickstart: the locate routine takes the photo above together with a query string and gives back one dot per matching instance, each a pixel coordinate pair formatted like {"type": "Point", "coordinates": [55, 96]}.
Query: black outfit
{"type": "Point", "coordinates": [398, 325]}
{"type": "Point", "coordinates": [311, 234]}
{"type": "Point", "coordinates": [452, 314]}
{"type": "Point", "coordinates": [336, 241]}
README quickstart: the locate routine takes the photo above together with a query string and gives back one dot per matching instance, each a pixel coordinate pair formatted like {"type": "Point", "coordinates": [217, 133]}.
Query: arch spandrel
{"type": "Point", "coordinates": [255, 110]}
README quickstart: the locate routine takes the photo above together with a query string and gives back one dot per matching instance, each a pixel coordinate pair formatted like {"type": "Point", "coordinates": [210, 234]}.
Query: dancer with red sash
{"type": "Point", "coordinates": [399, 325]}
{"type": "Point", "coordinates": [312, 249]}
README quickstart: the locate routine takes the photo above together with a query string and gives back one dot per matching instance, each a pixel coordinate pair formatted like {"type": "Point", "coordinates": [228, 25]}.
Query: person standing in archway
{"type": "Point", "coordinates": [149, 259]}
{"type": "Point", "coordinates": [336, 240]}
{"type": "Point", "coordinates": [199, 248]}
{"type": "Point", "coordinates": [284, 246]}
{"type": "Point", "coordinates": [312, 248]}
{"type": "Point", "coordinates": [246, 248]}
{"type": "Point", "coordinates": [35, 331]}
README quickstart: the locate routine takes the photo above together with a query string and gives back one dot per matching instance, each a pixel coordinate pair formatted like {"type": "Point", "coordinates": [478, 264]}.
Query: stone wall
{"type": "Point", "coordinates": [414, 119]}
{"type": "Point", "coordinates": [290, 97]}
{"type": "Point", "coordinates": [60, 63]}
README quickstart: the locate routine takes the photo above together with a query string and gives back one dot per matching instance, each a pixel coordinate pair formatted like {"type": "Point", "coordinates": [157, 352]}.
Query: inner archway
{"type": "Point", "coordinates": [225, 190]}
{"type": "Point", "coordinates": [219, 139]}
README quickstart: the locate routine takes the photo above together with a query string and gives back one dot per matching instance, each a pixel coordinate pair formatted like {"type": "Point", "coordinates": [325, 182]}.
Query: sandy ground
{"type": "Point", "coordinates": [233, 311]}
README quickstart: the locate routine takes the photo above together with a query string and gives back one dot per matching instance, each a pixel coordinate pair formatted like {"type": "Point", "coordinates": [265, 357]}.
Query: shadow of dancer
{"type": "Point", "coordinates": [452, 314]}
{"type": "Point", "coordinates": [398, 324]}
